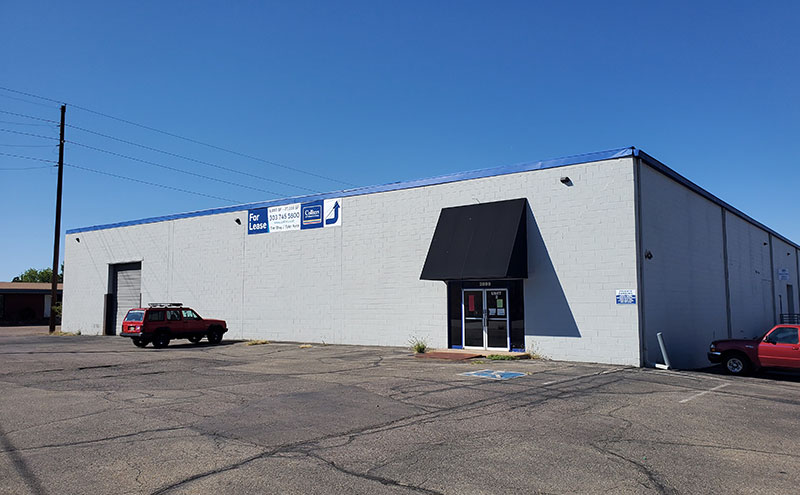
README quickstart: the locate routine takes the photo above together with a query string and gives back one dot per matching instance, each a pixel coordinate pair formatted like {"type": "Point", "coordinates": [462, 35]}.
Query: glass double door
{"type": "Point", "coordinates": [485, 318]}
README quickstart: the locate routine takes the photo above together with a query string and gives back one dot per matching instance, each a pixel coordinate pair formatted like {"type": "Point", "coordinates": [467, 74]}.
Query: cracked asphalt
{"type": "Point", "coordinates": [97, 415]}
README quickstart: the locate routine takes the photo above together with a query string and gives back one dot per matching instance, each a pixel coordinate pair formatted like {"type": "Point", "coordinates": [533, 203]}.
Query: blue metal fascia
{"type": "Point", "coordinates": [393, 186]}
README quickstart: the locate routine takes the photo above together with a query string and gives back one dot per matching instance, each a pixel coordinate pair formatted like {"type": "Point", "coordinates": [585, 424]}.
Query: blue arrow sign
{"type": "Point", "coordinates": [331, 221]}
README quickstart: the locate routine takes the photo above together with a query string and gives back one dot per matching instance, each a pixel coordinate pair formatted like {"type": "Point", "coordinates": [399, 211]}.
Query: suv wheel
{"type": "Point", "coordinates": [138, 342]}
{"type": "Point", "coordinates": [214, 336]}
{"type": "Point", "coordinates": [736, 364]}
{"type": "Point", "coordinates": [161, 340]}
{"type": "Point", "coordinates": [194, 339]}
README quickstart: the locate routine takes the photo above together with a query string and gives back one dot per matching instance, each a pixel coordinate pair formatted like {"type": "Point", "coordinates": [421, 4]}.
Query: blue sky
{"type": "Point", "coordinates": [373, 92]}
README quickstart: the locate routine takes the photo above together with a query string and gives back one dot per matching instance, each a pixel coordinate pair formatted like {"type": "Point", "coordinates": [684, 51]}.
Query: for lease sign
{"type": "Point", "coordinates": [295, 216]}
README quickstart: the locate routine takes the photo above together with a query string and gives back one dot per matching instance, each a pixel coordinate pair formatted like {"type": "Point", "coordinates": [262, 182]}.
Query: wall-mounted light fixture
{"type": "Point", "coordinates": [77, 239]}
{"type": "Point", "coordinates": [566, 181]}
{"type": "Point", "coordinates": [648, 255]}
{"type": "Point", "coordinates": [238, 222]}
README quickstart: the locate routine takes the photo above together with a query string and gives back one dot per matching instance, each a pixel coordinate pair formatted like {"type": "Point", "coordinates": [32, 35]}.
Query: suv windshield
{"type": "Point", "coordinates": [134, 316]}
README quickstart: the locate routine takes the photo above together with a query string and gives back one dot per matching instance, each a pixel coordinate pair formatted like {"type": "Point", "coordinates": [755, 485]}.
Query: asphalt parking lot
{"type": "Point", "coordinates": [97, 415]}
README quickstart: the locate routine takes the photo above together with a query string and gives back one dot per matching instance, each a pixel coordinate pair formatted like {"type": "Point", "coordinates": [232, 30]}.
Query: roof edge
{"type": "Point", "coordinates": [672, 174]}
{"type": "Point", "coordinates": [388, 187]}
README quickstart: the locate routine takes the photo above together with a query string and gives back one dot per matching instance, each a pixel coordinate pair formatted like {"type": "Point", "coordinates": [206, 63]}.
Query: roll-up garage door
{"type": "Point", "coordinates": [127, 291]}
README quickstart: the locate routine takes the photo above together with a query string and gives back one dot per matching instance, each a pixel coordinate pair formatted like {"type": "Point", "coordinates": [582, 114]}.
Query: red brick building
{"type": "Point", "coordinates": [23, 302]}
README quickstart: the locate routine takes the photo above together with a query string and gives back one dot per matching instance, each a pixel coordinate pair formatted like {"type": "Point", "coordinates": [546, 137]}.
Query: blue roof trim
{"type": "Point", "coordinates": [393, 186]}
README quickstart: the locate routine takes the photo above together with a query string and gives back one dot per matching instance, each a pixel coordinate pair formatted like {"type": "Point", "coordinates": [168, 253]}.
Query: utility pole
{"type": "Point", "coordinates": [57, 236]}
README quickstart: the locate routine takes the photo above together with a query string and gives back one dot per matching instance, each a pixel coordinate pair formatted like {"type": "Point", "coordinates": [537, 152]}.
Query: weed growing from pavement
{"type": "Point", "coordinates": [535, 353]}
{"type": "Point", "coordinates": [506, 357]}
{"type": "Point", "coordinates": [418, 345]}
{"type": "Point", "coordinates": [257, 342]}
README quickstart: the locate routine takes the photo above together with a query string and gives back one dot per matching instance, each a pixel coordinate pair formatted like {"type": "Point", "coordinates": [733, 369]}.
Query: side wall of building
{"type": "Point", "coordinates": [359, 283]}
{"type": "Point", "coordinates": [710, 274]}
{"type": "Point", "coordinates": [784, 265]}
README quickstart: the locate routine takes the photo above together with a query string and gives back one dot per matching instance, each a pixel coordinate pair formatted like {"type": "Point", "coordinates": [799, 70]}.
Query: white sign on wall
{"type": "Point", "coordinates": [626, 296]}
{"type": "Point", "coordinates": [296, 216]}
{"type": "Point", "coordinates": [333, 217]}
{"type": "Point", "coordinates": [284, 217]}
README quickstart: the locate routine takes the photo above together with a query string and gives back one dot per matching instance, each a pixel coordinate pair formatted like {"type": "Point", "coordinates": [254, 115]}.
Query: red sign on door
{"type": "Point", "coordinates": [471, 302]}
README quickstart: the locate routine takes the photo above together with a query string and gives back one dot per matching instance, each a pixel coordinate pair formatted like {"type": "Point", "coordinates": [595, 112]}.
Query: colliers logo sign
{"type": "Point", "coordinates": [295, 216]}
{"type": "Point", "coordinates": [311, 214]}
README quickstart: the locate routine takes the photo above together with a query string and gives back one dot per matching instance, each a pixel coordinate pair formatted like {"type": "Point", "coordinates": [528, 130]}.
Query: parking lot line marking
{"type": "Point", "coordinates": [704, 392]}
{"type": "Point", "coordinates": [578, 377]}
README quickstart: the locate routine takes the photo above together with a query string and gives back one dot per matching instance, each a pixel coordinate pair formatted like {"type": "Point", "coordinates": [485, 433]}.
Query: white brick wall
{"type": "Point", "coordinates": [359, 283]}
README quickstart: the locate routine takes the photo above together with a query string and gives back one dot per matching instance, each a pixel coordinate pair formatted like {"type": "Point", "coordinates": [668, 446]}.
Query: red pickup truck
{"type": "Point", "coordinates": [162, 322]}
{"type": "Point", "coordinates": [778, 348]}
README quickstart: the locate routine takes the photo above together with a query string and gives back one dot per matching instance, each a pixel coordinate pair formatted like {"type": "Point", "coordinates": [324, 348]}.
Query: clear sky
{"type": "Point", "coordinates": [375, 91]}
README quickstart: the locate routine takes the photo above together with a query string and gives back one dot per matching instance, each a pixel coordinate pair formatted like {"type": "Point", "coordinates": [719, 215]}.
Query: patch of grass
{"type": "Point", "coordinates": [478, 361]}
{"type": "Point", "coordinates": [306, 346]}
{"type": "Point", "coordinates": [257, 342]}
{"type": "Point", "coordinates": [418, 345]}
{"type": "Point", "coordinates": [507, 357]}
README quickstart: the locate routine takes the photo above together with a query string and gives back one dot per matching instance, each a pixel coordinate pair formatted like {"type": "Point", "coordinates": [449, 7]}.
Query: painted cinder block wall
{"type": "Point", "coordinates": [687, 293]}
{"type": "Point", "coordinates": [714, 273]}
{"type": "Point", "coordinates": [359, 283]}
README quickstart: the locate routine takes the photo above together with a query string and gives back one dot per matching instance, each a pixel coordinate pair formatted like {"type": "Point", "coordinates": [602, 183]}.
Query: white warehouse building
{"type": "Point", "coordinates": [583, 258]}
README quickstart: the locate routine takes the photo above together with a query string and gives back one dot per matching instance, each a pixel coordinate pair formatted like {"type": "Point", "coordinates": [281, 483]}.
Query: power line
{"type": "Point", "coordinates": [28, 117]}
{"type": "Point", "coordinates": [29, 145]}
{"type": "Point", "coordinates": [174, 169]}
{"type": "Point", "coordinates": [168, 153]}
{"type": "Point", "coordinates": [183, 157]}
{"type": "Point", "coordinates": [26, 101]}
{"type": "Point", "coordinates": [73, 165]}
{"type": "Point", "coordinates": [24, 123]}
{"type": "Point", "coordinates": [28, 134]}
{"type": "Point", "coordinates": [28, 157]}
{"type": "Point", "coordinates": [163, 186]}
{"type": "Point", "coordinates": [178, 136]}
{"type": "Point", "coordinates": [24, 168]}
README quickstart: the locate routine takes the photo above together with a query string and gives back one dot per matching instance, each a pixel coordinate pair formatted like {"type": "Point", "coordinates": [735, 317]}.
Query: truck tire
{"type": "Point", "coordinates": [214, 335]}
{"type": "Point", "coordinates": [161, 340]}
{"type": "Point", "coordinates": [139, 342]}
{"type": "Point", "coordinates": [736, 364]}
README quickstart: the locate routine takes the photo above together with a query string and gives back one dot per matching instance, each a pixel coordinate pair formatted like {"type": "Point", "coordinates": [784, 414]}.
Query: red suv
{"type": "Point", "coordinates": [162, 322]}
{"type": "Point", "coordinates": [779, 348]}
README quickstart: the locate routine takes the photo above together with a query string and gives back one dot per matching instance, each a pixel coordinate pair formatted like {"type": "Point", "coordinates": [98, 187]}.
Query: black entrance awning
{"type": "Point", "coordinates": [480, 241]}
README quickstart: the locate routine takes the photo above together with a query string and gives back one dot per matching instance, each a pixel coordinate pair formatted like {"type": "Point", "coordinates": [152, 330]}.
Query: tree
{"type": "Point", "coordinates": [44, 275]}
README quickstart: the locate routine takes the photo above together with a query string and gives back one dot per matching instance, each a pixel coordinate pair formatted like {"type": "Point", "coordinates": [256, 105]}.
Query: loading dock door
{"type": "Point", "coordinates": [126, 293]}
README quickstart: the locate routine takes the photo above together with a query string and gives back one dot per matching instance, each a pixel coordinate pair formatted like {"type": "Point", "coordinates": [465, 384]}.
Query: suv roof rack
{"type": "Point", "coordinates": [165, 305]}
